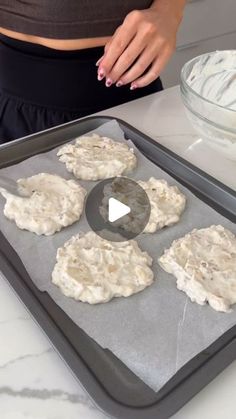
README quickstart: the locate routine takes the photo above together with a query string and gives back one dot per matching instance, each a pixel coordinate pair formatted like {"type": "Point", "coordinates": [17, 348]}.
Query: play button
{"type": "Point", "coordinates": [117, 209]}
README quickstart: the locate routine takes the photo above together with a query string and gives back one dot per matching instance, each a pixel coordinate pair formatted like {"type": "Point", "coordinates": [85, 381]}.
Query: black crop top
{"type": "Point", "coordinates": [66, 19]}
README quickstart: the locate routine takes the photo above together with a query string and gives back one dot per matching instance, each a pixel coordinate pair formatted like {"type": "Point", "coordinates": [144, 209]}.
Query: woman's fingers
{"type": "Point", "coordinates": [154, 71]}
{"type": "Point", "coordinates": [125, 61]}
{"type": "Point", "coordinates": [99, 61]}
{"type": "Point", "coordinates": [145, 59]}
{"type": "Point", "coordinates": [143, 43]}
{"type": "Point", "coordinates": [117, 45]}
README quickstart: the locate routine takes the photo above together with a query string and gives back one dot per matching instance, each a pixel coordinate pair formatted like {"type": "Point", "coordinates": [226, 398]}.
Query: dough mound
{"type": "Point", "coordinates": [95, 157]}
{"type": "Point", "coordinates": [167, 204]}
{"type": "Point", "coordinates": [94, 270]}
{"type": "Point", "coordinates": [204, 264]}
{"type": "Point", "coordinates": [55, 203]}
{"type": "Point", "coordinates": [129, 193]}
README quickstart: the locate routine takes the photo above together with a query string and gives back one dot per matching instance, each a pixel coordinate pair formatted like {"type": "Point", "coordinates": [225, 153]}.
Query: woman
{"type": "Point", "coordinates": [64, 59]}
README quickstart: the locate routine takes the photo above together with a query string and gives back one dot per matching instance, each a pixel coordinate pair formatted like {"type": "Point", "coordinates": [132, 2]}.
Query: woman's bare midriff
{"type": "Point", "coordinates": [60, 44]}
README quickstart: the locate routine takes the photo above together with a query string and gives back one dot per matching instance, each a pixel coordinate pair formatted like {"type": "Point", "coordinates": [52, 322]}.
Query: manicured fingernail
{"type": "Point", "coordinates": [101, 74]}
{"type": "Point", "coordinates": [98, 61]}
{"type": "Point", "coordinates": [108, 82]}
{"type": "Point", "coordinates": [133, 86]}
{"type": "Point", "coordinates": [119, 83]}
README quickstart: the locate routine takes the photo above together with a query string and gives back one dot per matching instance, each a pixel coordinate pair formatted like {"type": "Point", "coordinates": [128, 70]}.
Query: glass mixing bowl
{"type": "Point", "coordinates": [208, 89]}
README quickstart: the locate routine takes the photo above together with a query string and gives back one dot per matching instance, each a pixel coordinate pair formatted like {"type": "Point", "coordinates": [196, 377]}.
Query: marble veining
{"type": "Point", "coordinates": [34, 382]}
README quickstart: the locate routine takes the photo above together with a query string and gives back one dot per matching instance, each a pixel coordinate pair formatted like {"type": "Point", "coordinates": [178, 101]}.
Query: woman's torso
{"type": "Point", "coordinates": [59, 44]}
{"type": "Point", "coordinates": [65, 24]}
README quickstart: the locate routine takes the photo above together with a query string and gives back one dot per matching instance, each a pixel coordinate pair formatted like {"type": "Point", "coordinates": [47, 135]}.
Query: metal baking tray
{"type": "Point", "coordinates": [111, 385]}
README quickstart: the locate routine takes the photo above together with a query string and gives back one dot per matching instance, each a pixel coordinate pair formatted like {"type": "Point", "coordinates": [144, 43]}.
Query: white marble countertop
{"type": "Point", "coordinates": [34, 381]}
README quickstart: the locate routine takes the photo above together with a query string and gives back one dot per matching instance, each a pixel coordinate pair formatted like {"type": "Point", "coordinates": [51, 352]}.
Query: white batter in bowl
{"type": "Point", "coordinates": [208, 87]}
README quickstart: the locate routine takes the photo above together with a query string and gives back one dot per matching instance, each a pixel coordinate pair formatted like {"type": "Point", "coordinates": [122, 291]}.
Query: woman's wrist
{"type": "Point", "coordinates": [175, 8]}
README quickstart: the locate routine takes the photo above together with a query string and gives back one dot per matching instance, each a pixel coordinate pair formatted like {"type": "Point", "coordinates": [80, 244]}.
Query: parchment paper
{"type": "Point", "coordinates": [154, 332]}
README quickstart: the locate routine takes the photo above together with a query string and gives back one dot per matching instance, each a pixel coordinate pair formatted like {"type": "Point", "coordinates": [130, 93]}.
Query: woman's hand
{"type": "Point", "coordinates": [142, 45]}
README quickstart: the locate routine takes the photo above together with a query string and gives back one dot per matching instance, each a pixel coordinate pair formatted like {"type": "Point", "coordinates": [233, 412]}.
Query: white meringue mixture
{"type": "Point", "coordinates": [48, 203]}
{"type": "Point", "coordinates": [204, 264]}
{"type": "Point", "coordinates": [167, 203]}
{"type": "Point", "coordinates": [94, 157]}
{"type": "Point", "coordinates": [94, 270]}
{"type": "Point", "coordinates": [214, 78]}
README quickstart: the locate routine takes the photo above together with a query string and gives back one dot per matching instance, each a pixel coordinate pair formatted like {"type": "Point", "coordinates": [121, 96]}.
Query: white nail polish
{"type": "Point", "coordinates": [98, 61]}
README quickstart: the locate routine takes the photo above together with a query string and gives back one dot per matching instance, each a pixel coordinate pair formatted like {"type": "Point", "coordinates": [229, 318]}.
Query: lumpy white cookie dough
{"type": "Point", "coordinates": [167, 203]}
{"type": "Point", "coordinates": [94, 157]}
{"type": "Point", "coordinates": [54, 203]}
{"type": "Point", "coordinates": [204, 264]}
{"type": "Point", "coordinates": [94, 270]}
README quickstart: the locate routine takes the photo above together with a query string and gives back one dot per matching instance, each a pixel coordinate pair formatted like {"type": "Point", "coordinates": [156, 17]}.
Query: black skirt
{"type": "Point", "coordinates": [41, 87]}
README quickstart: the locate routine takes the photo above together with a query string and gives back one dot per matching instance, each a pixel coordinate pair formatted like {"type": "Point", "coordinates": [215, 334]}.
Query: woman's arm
{"type": "Point", "coordinates": [142, 45]}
